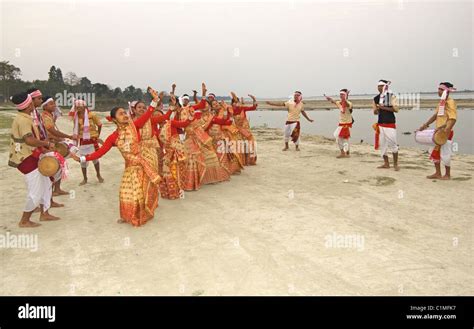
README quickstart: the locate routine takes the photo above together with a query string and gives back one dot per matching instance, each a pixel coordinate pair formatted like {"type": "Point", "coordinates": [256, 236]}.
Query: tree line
{"type": "Point", "coordinates": [11, 83]}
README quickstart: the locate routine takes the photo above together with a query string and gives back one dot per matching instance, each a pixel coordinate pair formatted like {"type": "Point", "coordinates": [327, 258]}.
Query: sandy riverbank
{"type": "Point", "coordinates": [273, 230]}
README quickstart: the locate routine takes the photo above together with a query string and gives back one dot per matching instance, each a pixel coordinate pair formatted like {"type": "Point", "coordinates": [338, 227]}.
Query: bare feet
{"type": "Point", "coordinates": [434, 176]}
{"type": "Point", "coordinates": [101, 180]}
{"type": "Point", "coordinates": [60, 192]}
{"type": "Point", "coordinates": [28, 223]}
{"type": "Point", "coordinates": [340, 156]}
{"type": "Point", "coordinates": [384, 166]}
{"type": "Point", "coordinates": [396, 167]}
{"type": "Point", "coordinates": [84, 182]}
{"type": "Point", "coordinates": [297, 149]}
{"type": "Point", "coordinates": [446, 177]}
{"type": "Point", "coordinates": [38, 209]}
{"type": "Point", "coordinates": [55, 204]}
{"type": "Point", "coordinates": [48, 217]}
{"type": "Point", "coordinates": [285, 149]}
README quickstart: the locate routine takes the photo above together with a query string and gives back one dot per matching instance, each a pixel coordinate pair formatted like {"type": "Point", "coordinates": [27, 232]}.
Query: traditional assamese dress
{"type": "Point", "coordinates": [25, 158]}
{"type": "Point", "coordinates": [246, 146]}
{"type": "Point", "coordinates": [343, 131]}
{"type": "Point", "coordinates": [224, 146]}
{"type": "Point", "coordinates": [196, 134]}
{"type": "Point", "coordinates": [86, 132]}
{"type": "Point", "coordinates": [446, 110]}
{"type": "Point", "coordinates": [138, 195]}
{"type": "Point", "coordinates": [385, 128]}
{"type": "Point", "coordinates": [174, 159]}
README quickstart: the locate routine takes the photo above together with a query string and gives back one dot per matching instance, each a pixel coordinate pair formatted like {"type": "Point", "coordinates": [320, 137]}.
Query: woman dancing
{"type": "Point", "coordinates": [139, 187]}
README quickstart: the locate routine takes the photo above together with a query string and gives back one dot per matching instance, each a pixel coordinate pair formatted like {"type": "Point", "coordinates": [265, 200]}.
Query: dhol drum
{"type": "Point", "coordinates": [431, 137]}
{"type": "Point", "coordinates": [62, 148]}
{"type": "Point", "coordinates": [48, 164]}
{"type": "Point", "coordinates": [65, 148]}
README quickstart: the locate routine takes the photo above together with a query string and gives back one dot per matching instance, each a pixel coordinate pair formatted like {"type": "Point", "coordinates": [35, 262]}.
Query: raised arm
{"type": "Point", "coordinates": [330, 99]}
{"type": "Point", "coordinates": [140, 122]}
{"type": "Point", "coordinates": [160, 118]}
{"type": "Point", "coordinates": [279, 104]}
{"type": "Point", "coordinates": [254, 104]}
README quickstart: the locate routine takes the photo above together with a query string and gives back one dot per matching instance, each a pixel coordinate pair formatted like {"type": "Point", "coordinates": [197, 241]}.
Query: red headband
{"type": "Point", "coordinates": [25, 103]}
{"type": "Point", "coordinates": [444, 87]}
{"type": "Point", "coordinates": [36, 93]}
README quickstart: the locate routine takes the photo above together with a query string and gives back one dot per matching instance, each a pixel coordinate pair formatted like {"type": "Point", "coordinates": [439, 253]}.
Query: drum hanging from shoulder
{"type": "Point", "coordinates": [66, 147]}
{"type": "Point", "coordinates": [440, 137]}
{"type": "Point", "coordinates": [62, 148]}
{"type": "Point", "coordinates": [48, 165]}
{"type": "Point", "coordinates": [431, 137]}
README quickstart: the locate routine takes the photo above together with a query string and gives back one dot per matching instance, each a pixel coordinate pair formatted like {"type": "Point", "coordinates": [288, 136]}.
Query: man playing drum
{"type": "Point", "coordinates": [55, 135]}
{"type": "Point", "coordinates": [25, 150]}
{"type": "Point", "coordinates": [445, 118]}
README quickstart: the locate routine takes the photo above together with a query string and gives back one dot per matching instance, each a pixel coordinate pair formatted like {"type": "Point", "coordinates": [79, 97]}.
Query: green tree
{"type": "Point", "coordinates": [9, 76]}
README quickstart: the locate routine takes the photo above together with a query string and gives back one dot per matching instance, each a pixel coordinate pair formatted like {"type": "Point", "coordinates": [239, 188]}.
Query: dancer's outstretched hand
{"type": "Point", "coordinates": [75, 157]}
{"type": "Point", "coordinates": [153, 93]}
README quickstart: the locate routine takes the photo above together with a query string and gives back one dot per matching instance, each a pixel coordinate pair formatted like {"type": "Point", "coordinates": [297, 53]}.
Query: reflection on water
{"type": "Point", "coordinates": [325, 122]}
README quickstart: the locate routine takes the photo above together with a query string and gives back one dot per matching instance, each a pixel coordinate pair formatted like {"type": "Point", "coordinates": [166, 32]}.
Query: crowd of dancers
{"type": "Point", "coordinates": [179, 147]}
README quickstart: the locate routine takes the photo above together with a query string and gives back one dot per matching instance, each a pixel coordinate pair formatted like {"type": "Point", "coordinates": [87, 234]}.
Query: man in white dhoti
{"type": "Point", "coordinates": [87, 128]}
{"type": "Point", "coordinates": [385, 106]}
{"type": "Point", "coordinates": [25, 150]}
{"type": "Point", "coordinates": [295, 108]}
{"type": "Point", "coordinates": [445, 118]}
{"type": "Point", "coordinates": [343, 130]}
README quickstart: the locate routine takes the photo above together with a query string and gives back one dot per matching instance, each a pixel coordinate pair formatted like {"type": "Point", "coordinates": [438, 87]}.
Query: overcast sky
{"type": "Point", "coordinates": [266, 48]}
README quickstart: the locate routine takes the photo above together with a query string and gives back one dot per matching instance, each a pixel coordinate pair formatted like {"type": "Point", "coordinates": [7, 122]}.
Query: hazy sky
{"type": "Point", "coordinates": [268, 48]}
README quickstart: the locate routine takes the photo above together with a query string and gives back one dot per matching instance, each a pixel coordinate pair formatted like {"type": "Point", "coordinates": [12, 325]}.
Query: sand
{"type": "Point", "coordinates": [280, 228]}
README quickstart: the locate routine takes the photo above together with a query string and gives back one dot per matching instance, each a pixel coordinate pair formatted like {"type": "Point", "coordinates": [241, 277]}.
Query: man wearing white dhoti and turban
{"type": "Point", "coordinates": [295, 108]}
{"type": "Point", "coordinates": [445, 118]}
{"type": "Point", "coordinates": [385, 105]}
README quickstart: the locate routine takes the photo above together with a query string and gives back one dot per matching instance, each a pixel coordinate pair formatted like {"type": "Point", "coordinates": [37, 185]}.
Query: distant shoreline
{"type": "Point", "coordinates": [367, 104]}
{"type": "Point", "coordinates": [467, 104]}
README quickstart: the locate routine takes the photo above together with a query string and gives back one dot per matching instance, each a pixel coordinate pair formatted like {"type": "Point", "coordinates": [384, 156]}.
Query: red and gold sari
{"type": "Point", "coordinates": [246, 146]}
{"type": "Point", "coordinates": [224, 137]}
{"type": "Point", "coordinates": [138, 194]}
{"type": "Point", "coordinates": [174, 160]}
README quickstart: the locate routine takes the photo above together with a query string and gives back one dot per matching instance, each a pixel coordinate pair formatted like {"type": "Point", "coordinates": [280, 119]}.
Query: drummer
{"type": "Point", "coordinates": [25, 149]}
{"type": "Point", "coordinates": [54, 134]}
{"type": "Point", "coordinates": [444, 118]}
